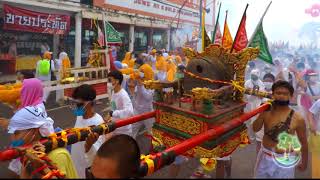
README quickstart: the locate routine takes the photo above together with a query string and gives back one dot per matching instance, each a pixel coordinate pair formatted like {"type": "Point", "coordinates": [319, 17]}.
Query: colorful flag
{"type": "Point", "coordinates": [241, 40]}
{"type": "Point", "coordinates": [227, 38]}
{"type": "Point", "coordinates": [101, 38]}
{"type": "Point", "coordinates": [216, 32]}
{"type": "Point", "coordinates": [259, 40]}
{"type": "Point", "coordinates": [218, 36]}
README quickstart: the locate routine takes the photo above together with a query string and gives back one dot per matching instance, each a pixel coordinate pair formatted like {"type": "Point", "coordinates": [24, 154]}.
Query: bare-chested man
{"type": "Point", "coordinates": [281, 118]}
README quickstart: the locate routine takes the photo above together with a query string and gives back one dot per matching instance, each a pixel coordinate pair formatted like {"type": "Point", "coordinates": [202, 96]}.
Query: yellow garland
{"type": "Point", "coordinates": [64, 137]}
{"type": "Point", "coordinates": [105, 128]}
{"type": "Point", "coordinates": [149, 162]}
{"type": "Point", "coordinates": [208, 164]}
{"type": "Point", "coordinates": [53, 138]}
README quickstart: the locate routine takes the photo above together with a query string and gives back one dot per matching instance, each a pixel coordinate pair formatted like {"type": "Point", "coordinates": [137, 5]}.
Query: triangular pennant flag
{"type": "Point", "coordinates": [113, 36]}
{"type": "Point", "coordinates": [259, 40]}
{"type": "Point", "coordinates": [226, 38]}
{"type": "Point", "coordinates": [241, 39]}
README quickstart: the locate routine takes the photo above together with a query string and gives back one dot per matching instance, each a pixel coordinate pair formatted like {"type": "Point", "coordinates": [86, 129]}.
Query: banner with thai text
{"type": "Point", "coordinates": [25, 20]}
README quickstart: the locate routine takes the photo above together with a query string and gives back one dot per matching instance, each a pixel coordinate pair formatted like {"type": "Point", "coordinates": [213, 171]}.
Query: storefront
{"type": "Point", "coordinates": [25, 35]}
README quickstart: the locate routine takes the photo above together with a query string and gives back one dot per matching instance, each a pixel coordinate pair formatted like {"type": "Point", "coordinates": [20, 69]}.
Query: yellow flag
{"type": "Point", "coordinates": [226, 38]}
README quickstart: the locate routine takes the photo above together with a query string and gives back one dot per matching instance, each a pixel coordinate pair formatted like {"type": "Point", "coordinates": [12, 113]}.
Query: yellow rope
{"type": "Point", "coordinates": [149, 162]}
{"type": "Point", "coordinates": [53, 138]}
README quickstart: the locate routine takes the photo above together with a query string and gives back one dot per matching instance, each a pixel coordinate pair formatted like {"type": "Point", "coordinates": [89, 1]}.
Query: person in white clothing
{"type": "Point", "coordinates": [31, 114]}
{"type": "Point", "coordinates": [121, 104]}
{"type": "Point", "coordinates": [143, 98]}
{"type": "Point", "coordinates": [253, 101]}
{"type": "Point", "coordinates": [82, 105]}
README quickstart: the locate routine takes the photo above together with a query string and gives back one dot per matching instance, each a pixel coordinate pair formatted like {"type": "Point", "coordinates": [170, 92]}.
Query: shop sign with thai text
{"type": "Point", "coordinates": [25, 20]}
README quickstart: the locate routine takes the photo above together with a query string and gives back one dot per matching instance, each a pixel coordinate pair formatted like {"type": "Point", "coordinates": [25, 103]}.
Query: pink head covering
{"type": "Point", "coordinates": [31, 92]}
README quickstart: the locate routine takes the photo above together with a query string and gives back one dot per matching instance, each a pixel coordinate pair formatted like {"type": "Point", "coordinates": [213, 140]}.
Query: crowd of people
{"type": "Point", "coordinates": [292, 80]}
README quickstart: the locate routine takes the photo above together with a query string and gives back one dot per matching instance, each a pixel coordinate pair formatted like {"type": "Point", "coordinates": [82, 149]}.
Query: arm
{"type": "Point", "coordinates": [302, 136]}
{"type": "Point", "coordinates": [258, 123]}
{"type": "Point", "coordinates": [147, 94]}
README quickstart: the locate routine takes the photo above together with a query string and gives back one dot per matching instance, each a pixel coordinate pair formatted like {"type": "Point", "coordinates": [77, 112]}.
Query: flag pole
{"type": "Point", "coordinates": [260, 21]}
{"type": "Point", "coordinates": [216, 25]}
{"type": "Point", "coordinates": [235, 38]}
{"type": "Point", "coordinates": [224, 27]}
{"type": "Point", "coordinates": [106, 52]}
{"type": "Point", "coordinates": [203, 30]}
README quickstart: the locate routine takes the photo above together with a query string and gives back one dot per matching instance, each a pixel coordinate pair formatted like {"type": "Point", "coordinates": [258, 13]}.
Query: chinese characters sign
{"type": "Point", "coordinates": [24, 20]}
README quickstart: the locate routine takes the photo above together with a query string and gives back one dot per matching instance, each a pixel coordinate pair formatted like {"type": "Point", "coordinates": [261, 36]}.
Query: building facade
{"type": "Point", "coordinates": [142, 24]}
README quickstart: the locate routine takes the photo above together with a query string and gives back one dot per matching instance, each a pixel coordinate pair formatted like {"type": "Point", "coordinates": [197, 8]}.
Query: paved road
{"type": "Point", "coordinates": [243, 158]}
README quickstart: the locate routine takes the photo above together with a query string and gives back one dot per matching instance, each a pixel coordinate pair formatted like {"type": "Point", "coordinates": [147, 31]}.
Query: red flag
{"type": "Point", "coordinates": [100, 37]}
{"type": "Point", "coordinates": [218, 38]}
{"type": "Point", "coordinates": [241, 39]}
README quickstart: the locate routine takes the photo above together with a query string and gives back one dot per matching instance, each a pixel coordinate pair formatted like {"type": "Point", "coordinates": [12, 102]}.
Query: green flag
{"type": "Point", "coordinates": [113, 36]}
{"type": "Point", "coordinates": [259, 40]}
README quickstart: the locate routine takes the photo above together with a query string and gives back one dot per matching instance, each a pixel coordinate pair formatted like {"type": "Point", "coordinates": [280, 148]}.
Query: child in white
{"type": "Point", "coordinates": [120, 103]}
{"type": "Point", "coordinates": [84, 96]}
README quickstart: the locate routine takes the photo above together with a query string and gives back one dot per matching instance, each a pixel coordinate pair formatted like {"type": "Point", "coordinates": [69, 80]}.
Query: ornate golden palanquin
{"type": "Point", "coordinates": [213, 83]}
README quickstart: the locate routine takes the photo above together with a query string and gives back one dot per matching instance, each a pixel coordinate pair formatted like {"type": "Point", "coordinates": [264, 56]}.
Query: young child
{"type": "Point", "coordinates": [120, 103]}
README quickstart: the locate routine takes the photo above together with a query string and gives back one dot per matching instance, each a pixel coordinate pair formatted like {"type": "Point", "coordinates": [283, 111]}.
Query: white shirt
{"type": "Point", "coordinates": [143, 99]}
{"type": "Point", "coordinates": [81, 159]}
{"type": "Point", "coordinates": [315, 110]}
{"type": "Point", "coordinates": [122, 108]}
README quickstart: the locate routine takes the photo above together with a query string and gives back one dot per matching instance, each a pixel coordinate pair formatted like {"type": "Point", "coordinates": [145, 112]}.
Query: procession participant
{"type": "Point", "coordinates": [44, 70]}
{"type": "Point", "coordinates": [31, 122]}
{"type": "Point", "coordinates": [28, 127]}
{"type": "Point", "coordinates": [31, 95]}
{"type": "Point", "coordinates": [268, 81]}
{"type": "Point", "coordinates": [82, 105]}
{"type": "Point", "coordinates": [314, 137]}
{"type": "Point", "coordinates": [128, 60]}
{"type": "Point", "coordinates": [143, 98]}
{"type": "Point", "coordinates": [161, 68]}
{"type": "Point", "coordinates": [118, 157]}
{"type": "Point", "coordinates": [151, 59]}
{"type": "Point", "coordinates": [280, 118]}
{"type": "Point", "coordinates": [255, 84]}
{"type": "Point", "coordinates": [251, 66]}
{"type": "Point", "coordinates": [121, 104]}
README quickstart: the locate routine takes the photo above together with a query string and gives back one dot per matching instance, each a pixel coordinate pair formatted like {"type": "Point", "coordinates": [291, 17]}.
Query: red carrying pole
{"type": "Point", "coordinates": [167, 157]}
{"type": "Point", "coordinates": [215, 132]}
{"type": "Point", "coordinates": [134, 119]}
{"type": "Point", "coordinates": [12, 153]}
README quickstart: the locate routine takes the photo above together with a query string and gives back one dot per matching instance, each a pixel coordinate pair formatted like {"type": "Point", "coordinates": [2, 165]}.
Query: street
{"type": "Point", "coordinates": [243, 159]}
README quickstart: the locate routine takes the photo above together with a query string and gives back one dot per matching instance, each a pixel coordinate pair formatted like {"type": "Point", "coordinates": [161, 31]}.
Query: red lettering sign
{"type": "Point", "coordinates": [24, 20]}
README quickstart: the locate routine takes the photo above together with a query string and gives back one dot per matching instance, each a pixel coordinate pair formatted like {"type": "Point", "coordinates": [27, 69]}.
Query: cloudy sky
{"type": "Point", "coordinates": [282, 21]}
